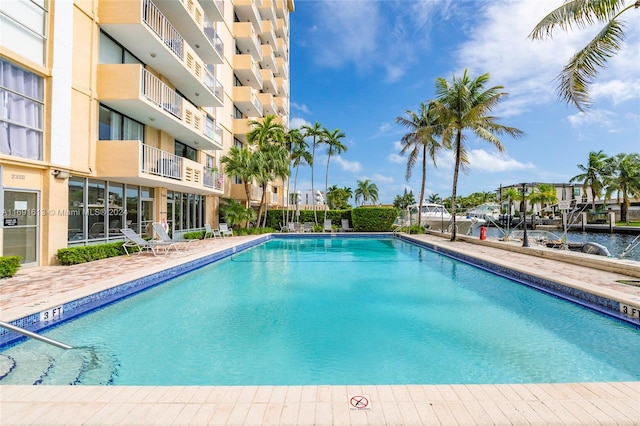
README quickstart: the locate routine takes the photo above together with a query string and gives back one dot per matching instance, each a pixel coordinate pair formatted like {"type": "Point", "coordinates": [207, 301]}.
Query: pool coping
{"type": "Point", "coordinates": [607, 303]}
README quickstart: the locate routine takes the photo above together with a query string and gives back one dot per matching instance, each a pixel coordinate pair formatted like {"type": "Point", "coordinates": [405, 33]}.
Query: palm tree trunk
{"type": "Point", "coordinates": [422, 184]}
{"type": "Point", "coordinates": [326, 186]}
{"type": "Point", "coordinates": [455, 186]}
{"type": "Point", "coordinates": [247, 190]}
{"type": "Point", "coordinates": [313, 189]}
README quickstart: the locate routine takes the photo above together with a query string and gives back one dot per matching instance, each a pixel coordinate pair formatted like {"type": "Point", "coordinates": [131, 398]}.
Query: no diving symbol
{"type": "Point", "coordinates": [359, 402]}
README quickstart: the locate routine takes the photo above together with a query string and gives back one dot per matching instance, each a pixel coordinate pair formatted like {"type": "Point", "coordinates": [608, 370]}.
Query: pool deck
{"type": "Point", "coordinates": [35, 289]}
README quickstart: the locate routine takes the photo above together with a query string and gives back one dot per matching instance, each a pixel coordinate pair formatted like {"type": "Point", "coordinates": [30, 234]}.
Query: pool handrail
{"type": "Point", "coordinates": [34, 335]}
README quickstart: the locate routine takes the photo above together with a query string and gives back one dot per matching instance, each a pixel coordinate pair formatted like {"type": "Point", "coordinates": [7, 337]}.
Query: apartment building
{"type": "Point", "coordinates": [116, 113]}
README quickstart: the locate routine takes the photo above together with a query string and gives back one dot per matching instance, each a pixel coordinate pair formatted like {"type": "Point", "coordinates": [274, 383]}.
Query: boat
{"type": "Point", "coordinates": [487, 211]}
{"type": "Point", "coordinates": [551, 240]}
{"type": "Point", "coordinates": [436, 217]}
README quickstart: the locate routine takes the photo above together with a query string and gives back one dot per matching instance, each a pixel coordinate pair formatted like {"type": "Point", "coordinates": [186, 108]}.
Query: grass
{"type": "Point", "coordinates": [628, 224]}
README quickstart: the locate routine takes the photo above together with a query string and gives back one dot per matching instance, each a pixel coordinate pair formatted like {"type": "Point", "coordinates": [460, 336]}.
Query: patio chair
{"type": "Point", "coordinates": [225, 231]}
{"type": "Point", "coordinates": [295, 227]}
{"type": "Point", "coordinates": [307, 227]}
{"type": "Point", "coordinates": [327, 226]}
{"type": "Point", "coordinates": [135, 240]}
{"type": "Point", "coordinates": [163, 236]}
{"type": "Point", "coordinates": [210, 232]}
{"type": "Point", "coordinates": [345, 226]}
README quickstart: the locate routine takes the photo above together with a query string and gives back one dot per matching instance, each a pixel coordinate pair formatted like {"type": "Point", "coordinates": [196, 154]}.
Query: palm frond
{"type": "Point", "coordinates": [578, 13]}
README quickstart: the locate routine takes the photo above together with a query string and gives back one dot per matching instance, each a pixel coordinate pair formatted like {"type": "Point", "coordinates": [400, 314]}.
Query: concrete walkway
{"type": "Point", "coordinates": [36, 289]}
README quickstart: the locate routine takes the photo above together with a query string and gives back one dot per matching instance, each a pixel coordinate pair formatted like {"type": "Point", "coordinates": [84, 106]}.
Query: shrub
{"type": "Point", "coordinates": [373, 219]}
{"type": "Point", "coordinates": [83, 254]}
{"type": "Point", "coordinates": [193, 235]}
{"type": "Point", "coordinates": [9, 266]}
{"type": "Point", "coordinates": [415, 229]}
{"type": "Point", "coordinates": [276, 218]}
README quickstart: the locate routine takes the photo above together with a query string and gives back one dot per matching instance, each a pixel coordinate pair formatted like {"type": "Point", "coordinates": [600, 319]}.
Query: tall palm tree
{"type": "Point", "coordinates": [434, 199]}
{"type": "Point", "coordinates": [264, 132]}
{"type": "Point", "coordinates": [624, 181]}
{"type": "Point", "coordinates": [316, 132]}
{"type": "Point", "coordinates": [543, 193]}
{"type": "Point", "coordinates": [593, 175]}
{"type": "Point", "coordinates": [239, 163]}
{"type": "Point", "coordinates": [367, 191]}
{"type": "Point", "coordinates": [465, 104]}
{"type": "Point", "coordinates": [423, 127]}
{"type": "Point", "coordinates": [334, 147]}
{"type": "Point", "coordinates": [511, 195]}
{"type": "Point", "coordinates": [580, 71]}
{"type": "Point", "coordinates": [299, 149]}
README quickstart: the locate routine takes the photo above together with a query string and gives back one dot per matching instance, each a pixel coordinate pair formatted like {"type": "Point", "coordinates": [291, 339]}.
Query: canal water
{"type": "Point", "coordinates": [616, 243]}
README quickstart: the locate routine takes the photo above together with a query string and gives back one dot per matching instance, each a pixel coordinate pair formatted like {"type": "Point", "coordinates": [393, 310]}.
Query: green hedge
{"type": "Point", "coordinates": [275, 218]}
{"type": "Point", "coordinates": [373, 219]}
{"type": "Point", "coordinates": [83, 254]}
{"type": "Point", "coordinates": [9, 266]}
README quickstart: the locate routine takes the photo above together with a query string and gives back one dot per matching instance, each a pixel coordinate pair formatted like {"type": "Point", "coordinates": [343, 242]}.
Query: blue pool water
{"type": "Point", "coordinates": [349, 311]}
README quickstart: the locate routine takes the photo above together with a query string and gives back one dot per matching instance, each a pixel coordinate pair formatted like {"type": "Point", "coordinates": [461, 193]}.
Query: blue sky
{"type": "Point", "coordinates": [356, 65]}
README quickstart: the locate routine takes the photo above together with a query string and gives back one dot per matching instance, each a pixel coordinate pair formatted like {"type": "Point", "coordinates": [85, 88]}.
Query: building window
{"type": "Point", "coordinates": [21, 112]}
{"type": "Point", "coordinates": [111, 52]}
{"type": "Point", "coordinates": [24, 28]}
{"type": "Point", "coordinates": [114, 126]}
{"type": "Point", "coordinates": [185, 151]}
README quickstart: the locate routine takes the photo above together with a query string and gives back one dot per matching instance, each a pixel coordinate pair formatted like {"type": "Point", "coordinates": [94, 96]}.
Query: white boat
{"type": "Point", "coordinates": [487, 211]}
{"type": "Point", "coordinates": [437, 218]}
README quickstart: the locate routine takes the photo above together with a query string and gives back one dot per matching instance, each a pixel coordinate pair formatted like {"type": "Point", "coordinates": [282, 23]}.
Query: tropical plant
{"type": "Point", "coordinates": [235, 214]}
{"type": "Point", "coordinates": [465, 104]}
{"type": "Point", "coordinates": [511, 195]}
{"type": "Point", "coordinates": [581, 70]}
{"type": "Point", "coordinates": [401, 202]}
{"type": "Point", "coordinates": [624, 180]}
{"type": "Point", "coordinates": [543, 193]}
{"type": "Point", "coordinates": [420, 142]}
{"type": "Point", "coordinates": [593, 175]}
{"type": "Point", "coordinates": [367, 191]}
{"type": "Point", "coordinates": [334, 147]}
{"type": "Point", "coordinates": [434, 199]}
{"type": "Point", "coordinates": [239, 163]}
{"type": "Point", "coordinates": [316, 133]}
{"type": "Point", "coordinates": [338, 198]}
{"type": "Point", "coordinates": [299, 154]}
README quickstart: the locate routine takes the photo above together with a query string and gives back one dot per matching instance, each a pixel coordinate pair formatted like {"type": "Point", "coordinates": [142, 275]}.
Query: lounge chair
{"type": "Point", "coordinates": [225, 231]}
{"type": "Point", "coordinates": [295, 227]}
{"type": "Point", "coordinates": [327, 226]}
{"type": "Point", "coordinates": [163, 236]}
{"type": "Point", "coordinates": [135, 240]}
{"type": "Point", "coordinates": [345, 226]}
{"type": "Point", "coordinates": [307, 227]}
{"type": "Point", "coordinates": [210, 232]}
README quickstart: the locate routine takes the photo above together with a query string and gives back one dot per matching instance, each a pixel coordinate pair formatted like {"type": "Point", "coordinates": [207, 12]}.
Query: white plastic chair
{"type": "Point", "coordinates": [225, 231]}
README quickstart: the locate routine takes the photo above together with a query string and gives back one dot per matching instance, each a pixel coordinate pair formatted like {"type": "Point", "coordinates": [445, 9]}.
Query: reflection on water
{"type": "Point", "coordinates": [616, 243]}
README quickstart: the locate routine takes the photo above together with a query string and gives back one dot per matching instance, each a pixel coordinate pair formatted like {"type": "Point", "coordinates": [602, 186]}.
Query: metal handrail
{"type": "Point", "coordinates": [34, 335]}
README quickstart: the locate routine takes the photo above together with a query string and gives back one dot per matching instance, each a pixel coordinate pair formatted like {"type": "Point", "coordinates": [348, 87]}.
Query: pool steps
{"type": "Point", "coordinates": [50, 366]}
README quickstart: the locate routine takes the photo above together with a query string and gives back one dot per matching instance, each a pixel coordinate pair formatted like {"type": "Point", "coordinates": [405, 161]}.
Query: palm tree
{"type": "Point", "coordinates": [299, 149]}
{"type": "Point", "coordinates": [235, 213]}
{"type": "Point", "coordinates": [624, 181]}
{"type": "Point", "coordinates": [367, 191]}
{"type": "Point", "coordinates": [434, 199]}
{"type": "Point", "coordinates": [316, 132]}
{"type": "Point", "coordinates": [334, 147]}
{"type": "Point", "coordinates": [420, 140]}
{"type": "Point", "coordinates": [265, 132]}
{"type": "Point", "coordinates": [239, 163]}
{"type": "Point", "coordinates": [511, 195]}
{"type": "Point", "coordinates": [580, 71]}
{"type": "Point", "coordinates": [464, 104]}
{"type": "Point", "coordinates": [543, 193]}
{"type": "Point", "coordinates": [593, 175]}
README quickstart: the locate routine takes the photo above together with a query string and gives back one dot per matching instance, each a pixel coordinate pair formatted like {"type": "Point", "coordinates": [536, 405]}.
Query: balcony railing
{"type": "Point", "coordinates": [213, 179]}
{"type": "Point", "coordinates": [163, 28]}
{"type": "Point", "coordinates": [213, 83]}
{"type": "Point", "coordinates": [212, 130]}
{"type": "Point", "coordinates": [157, 162]}
{"type": "Point", "coordinates": [160, 94]}
{"type": "Point", "coordinates": [212, 35]}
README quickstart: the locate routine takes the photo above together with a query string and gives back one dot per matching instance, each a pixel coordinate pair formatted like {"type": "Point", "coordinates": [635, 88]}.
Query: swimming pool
{"type": "Point", "coordinates": [337, 311]}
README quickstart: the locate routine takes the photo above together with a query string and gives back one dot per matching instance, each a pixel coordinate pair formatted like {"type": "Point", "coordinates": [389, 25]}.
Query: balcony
{"type": "Point", "coordinates": [268, 35]}
{"type": "Point", "coordinates": [136, 92]}
{"type": "Point", "coordinates": [247, 71]}
{"type": "Point", "coordinates": [188, 17]}
{"type": "Point", "coordinates": [282, 48]}
{"type": "Point", "coordinates": [282, 68]}
{"type": "Point", "coordinates": [267, 10]}
{"type": "Point", "coordinates": [143, 29]}
{"type": "Point", "coordinates": [245, 98]}
{"type": "Point", "coordinates": [281, 29]}
{"type": "Point", "coordinates": [282, 104]}
{"type": "Point", "coordinates": [214, 9]}
{"type": "Point", "coordinates": [247, 40]}
{"type": "Point", "coordinates": [268, 58]}
{"type": "Point", "coordinates": [282, 85]}
{"type": "Point", "coordinates": [246, 11]}
{"type": "Point", "coordinates": [213, 179]}
{"type": "Point", "coordinates": [269, 84]}
{"type": "Point", "coordinates": [269, 107]}
{"type": "Point", "coordinates": [136, 163]}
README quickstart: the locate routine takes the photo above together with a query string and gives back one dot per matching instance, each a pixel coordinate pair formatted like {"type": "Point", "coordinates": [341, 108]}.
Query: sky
{"type": "Point", "coordinates": [357, 65]}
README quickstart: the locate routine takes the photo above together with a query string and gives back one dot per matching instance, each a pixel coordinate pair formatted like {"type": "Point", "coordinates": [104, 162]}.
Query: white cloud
{"type": "Point", "coordinates": [616, 91]}
{"type": "Point", "coordinates": [481, 160]}
{"type": "Point", "coordinates": [599, 117]}
{"type": "Point", "coordinates": [378, 178]}
{"type": "Point", "coordinates": [302, 108]}
{"type": "Point", "coordinates": [349, 166]}
{"type": "Point", "coordinates": [297, 122]}
{"type": "Point", "coordinates": [396, 158]}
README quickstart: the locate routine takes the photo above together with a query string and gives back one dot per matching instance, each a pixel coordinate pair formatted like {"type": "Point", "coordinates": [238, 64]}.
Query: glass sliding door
{"type": "Point", "coordinates": [21, 225]}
